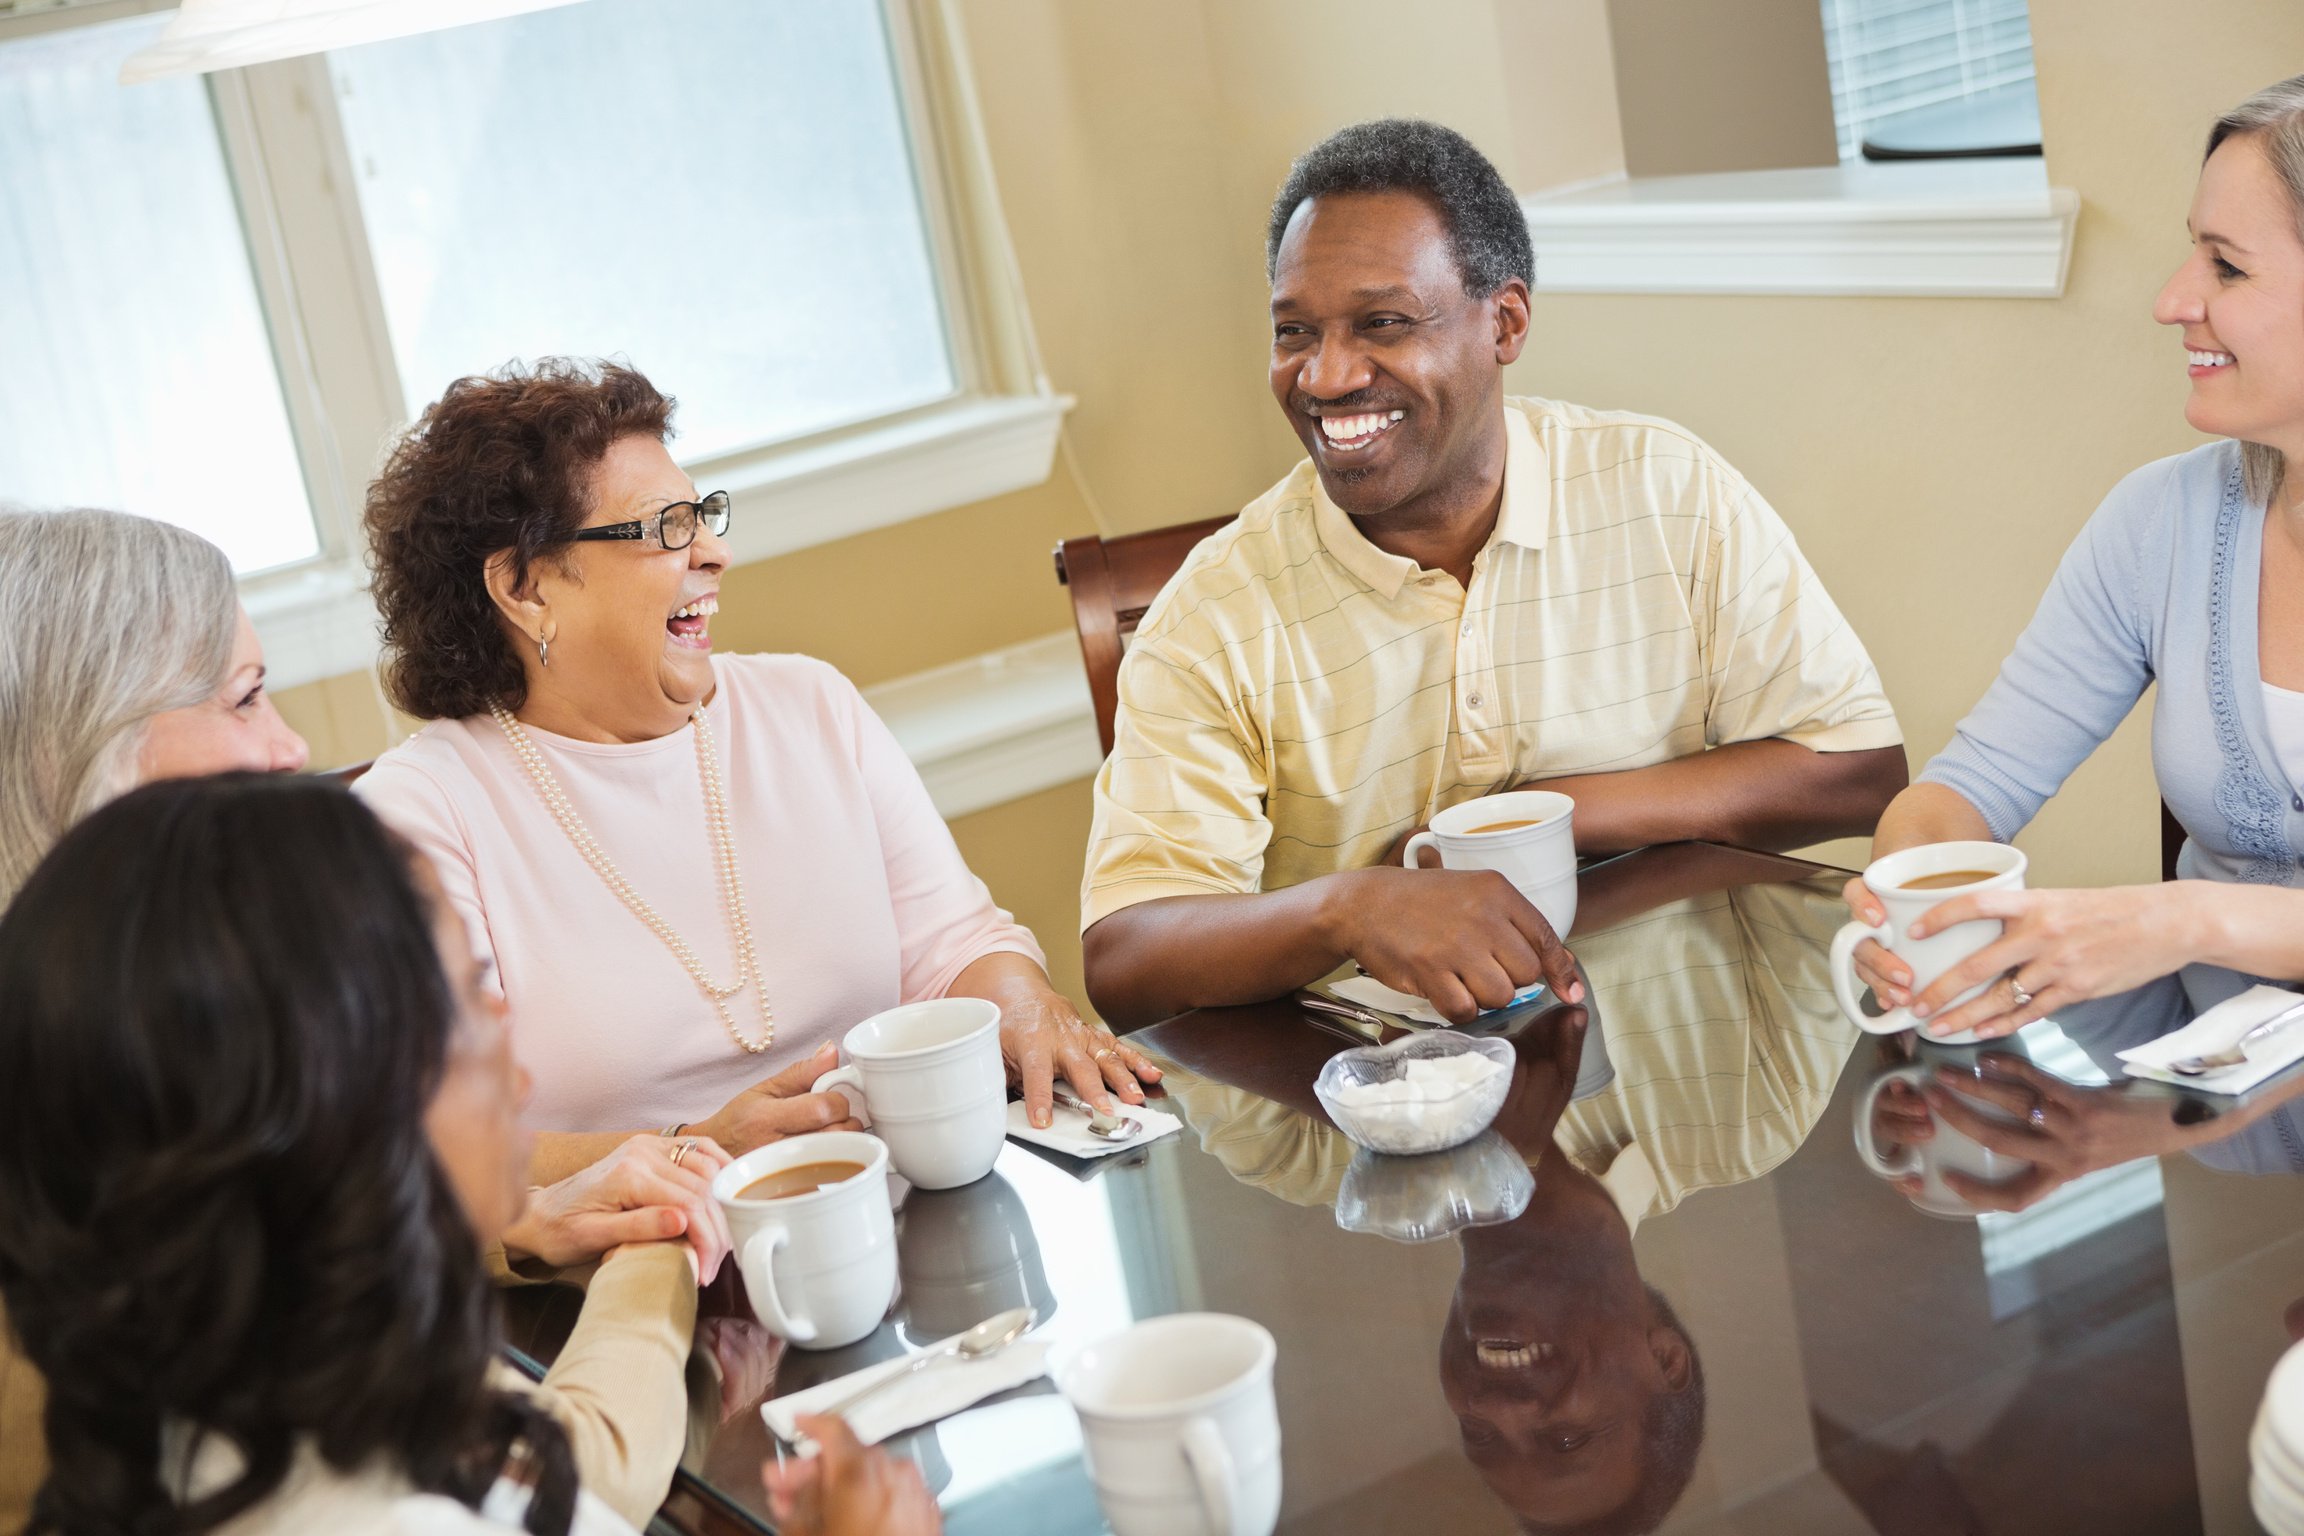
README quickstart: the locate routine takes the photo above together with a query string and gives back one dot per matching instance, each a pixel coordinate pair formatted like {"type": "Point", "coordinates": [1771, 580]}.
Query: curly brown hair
{"type": "Point", "coordinates": [501, 461]}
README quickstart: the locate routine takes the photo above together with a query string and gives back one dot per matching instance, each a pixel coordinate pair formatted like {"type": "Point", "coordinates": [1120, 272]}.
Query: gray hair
{"type": "Point", "coordinates": [2275, 115]}
{"type": "Point", "coordinates": [105, 621]}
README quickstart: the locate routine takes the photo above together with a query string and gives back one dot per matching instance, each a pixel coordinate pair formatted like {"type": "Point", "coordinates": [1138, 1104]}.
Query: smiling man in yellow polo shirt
{"type": "Point", "coordinates": [1459, 592]}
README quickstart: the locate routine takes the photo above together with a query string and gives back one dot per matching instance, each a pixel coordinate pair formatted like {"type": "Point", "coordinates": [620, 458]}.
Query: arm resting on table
{"type": "Point", "coordinates": [619, 1386]}
{"type": "Point", "coordinates": [1157, 958]}
{"type": "Point", "coordinates": [1770, 794]}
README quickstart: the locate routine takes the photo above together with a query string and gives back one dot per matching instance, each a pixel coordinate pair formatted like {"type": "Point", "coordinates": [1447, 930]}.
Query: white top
{"type": "Point", "coordinates": [2284, 716]}
{"type": "Point", "coordinates": [372, 1502]}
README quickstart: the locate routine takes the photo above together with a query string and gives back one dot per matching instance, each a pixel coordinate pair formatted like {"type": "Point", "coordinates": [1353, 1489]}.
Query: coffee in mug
{"type": "Point", "coordinates": [1949, 880]}
{"type": "Point", "coordinates": [1526, 835]}
{"type": "Point", "coordinates": [1909, 884]}
{"type": "Point", "coordinates": [819, 1265]}
{"type": "Point", "coordinates": [805, 1179]}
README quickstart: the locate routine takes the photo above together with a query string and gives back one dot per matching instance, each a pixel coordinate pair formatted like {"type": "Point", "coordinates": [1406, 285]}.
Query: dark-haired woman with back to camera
{"type": "Point", "coordinates": [259, 1119]}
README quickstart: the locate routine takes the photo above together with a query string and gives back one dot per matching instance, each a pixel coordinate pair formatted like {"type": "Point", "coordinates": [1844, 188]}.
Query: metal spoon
{"type": "Point", "coordinates": [1100, 1125]}
{"type": "Point", "coordinates": [2237, 1052]}
{"type": "Point", "coordinates": [981, 1342]}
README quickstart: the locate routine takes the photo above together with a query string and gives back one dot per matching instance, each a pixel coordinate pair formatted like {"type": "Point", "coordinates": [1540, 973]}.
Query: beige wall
{"type": "Point", "coordinates": [1933, 455]}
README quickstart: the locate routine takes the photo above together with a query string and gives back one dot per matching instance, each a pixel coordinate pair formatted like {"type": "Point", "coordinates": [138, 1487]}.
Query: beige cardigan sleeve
{"type": "Point", "coordinates": [619, 1386]}
{"type": "Point", "coordinates": [23, 1444]}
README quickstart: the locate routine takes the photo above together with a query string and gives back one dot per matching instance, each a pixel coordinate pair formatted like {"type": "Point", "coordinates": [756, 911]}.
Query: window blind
{"type": "Point", "coordinates": [1893, 56]}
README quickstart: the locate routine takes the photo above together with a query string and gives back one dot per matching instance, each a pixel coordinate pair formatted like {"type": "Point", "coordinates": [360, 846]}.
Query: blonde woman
{"type": "Point", "coordinates": [2190, 575]}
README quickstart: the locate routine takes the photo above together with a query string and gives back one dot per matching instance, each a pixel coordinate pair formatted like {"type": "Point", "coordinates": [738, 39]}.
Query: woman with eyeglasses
{"type": "Point", "coordinates": [692, 870]}
{"type": "Point", "coordinates": [259, 1118]}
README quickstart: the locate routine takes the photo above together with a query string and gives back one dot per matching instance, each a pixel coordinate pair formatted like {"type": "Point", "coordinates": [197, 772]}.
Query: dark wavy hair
{"type": "Point", "coordinates": [1406, 154]}
{"type": "Point", "coordinates": [501, 461]}
{"type": "Point", "coordinates": [219, 1212]}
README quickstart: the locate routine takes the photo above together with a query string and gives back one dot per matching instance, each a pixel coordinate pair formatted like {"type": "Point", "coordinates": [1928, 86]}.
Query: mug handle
{"type": "Point", "coordinates": [1416, 845]}
{"type": "Point", "coordinates": [1869, 1150]}
{"type": "Point", "coordinates": [1843, 967]}
{"type": "Point", "coordinates": [849, 1078]}
{"type": "Point", "coordinates": [757, 1262]}
{"type": "Point", "coordinates": [1211, 1463]}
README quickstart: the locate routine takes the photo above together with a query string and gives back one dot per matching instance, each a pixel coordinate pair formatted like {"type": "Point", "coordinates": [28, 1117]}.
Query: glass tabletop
{"type": "Point", "coordinates": [1721, 1265]}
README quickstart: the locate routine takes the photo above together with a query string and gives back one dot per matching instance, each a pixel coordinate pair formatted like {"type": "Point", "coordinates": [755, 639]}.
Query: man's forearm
{"type": "Point", "coordinates": [1158, 958]}
{"type": "Point", "coordinates": [1756, 794]}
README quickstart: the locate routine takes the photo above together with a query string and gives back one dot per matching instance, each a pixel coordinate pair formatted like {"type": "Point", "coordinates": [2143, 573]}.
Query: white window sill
{"type": "Point", "coordinates": [1948, 228]}
{"type": "Point", "coordinates": [317, 621]}
{"type": "Point", "coordinates": [996, 727]}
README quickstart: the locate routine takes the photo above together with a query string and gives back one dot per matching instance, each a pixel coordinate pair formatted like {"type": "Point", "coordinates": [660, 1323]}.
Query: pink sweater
{"type": "Point", "coordinates": [858, 897]}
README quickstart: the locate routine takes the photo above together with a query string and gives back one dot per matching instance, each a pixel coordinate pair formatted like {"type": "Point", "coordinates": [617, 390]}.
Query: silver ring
{"type": "Point", "coordinates": [2038, 1117]}
{"type": "Point", "coordinates": [682, 1150]}
{"type": "Point", "coordinates": [2023, 998]}
{"type": "Point", "coordinates": [1110, 1050]}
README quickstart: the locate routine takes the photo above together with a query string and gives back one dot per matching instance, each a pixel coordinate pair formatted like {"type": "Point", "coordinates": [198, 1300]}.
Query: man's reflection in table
{"type": "Point", "coordinates": [1578, 1392]}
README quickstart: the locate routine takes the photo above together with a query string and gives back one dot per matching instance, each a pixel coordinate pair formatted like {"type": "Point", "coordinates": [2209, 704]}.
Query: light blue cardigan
{"type": "Point", "coordinates": [2160, 586]}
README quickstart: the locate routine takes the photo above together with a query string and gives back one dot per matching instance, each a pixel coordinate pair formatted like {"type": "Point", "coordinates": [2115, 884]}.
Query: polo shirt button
{"type": "Point", "coordinates": [1467, 630]}
{"type": "Point", "coordinates": [1474, 701]}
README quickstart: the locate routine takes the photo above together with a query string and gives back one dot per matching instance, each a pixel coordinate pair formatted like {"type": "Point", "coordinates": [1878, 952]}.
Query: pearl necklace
{"type": "Point", "coordinates": [724, 847]}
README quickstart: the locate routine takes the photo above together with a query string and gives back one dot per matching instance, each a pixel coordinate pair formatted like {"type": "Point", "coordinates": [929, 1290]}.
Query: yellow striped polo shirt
{"type": "Point", "coordinates": [1296, 698]}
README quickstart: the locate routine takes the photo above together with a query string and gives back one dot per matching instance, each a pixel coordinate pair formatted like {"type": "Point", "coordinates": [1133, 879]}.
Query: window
{"type": "Point", "coordinates": [139, 368]}
{"type": "Point", "coordinates": [718, 190]}
{"type": "Point", "coordinates": [220, 295]}
{"type": "Point", "coordinates": [1938, 64]}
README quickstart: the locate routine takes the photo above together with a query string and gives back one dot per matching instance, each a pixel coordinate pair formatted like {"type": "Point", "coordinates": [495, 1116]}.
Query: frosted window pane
{"type": "Point", "coordinates": [719, 191]}
{"type": "Point", "coordinates": [135, 368]}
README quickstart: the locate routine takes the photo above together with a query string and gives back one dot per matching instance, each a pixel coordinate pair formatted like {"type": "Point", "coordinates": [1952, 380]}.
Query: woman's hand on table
{"type": "Point", "coordinates": [636, 1194]}
{"type": "Point", "coordinates": [848, 1488]}
{"type": "Point", "coordinates": [1042, 1034]}
{"type": "Point", "coordinates": [2059, 947]}
{"type": "Point", "coordinates": [782, 1106]}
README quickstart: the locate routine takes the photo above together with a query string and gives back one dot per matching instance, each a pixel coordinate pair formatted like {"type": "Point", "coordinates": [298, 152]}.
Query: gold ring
{"type": "Point", "coordinates": [682, 1151]}
{"type": "Point", "coordinates": [1107, 1051]}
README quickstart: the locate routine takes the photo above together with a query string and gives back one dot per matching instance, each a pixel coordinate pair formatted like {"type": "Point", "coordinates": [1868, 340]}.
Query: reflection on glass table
{"type": "Point", "coordinates": [1680, 1302]}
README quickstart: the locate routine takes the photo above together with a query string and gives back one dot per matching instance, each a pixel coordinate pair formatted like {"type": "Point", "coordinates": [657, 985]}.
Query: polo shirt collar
{"type": "Point", "coordinates": [1523, 520]}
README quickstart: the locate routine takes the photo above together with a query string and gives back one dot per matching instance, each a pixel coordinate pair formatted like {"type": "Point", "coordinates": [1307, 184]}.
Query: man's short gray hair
{"type": "Point", "coordinates": [105, 621]}
{"type": "Point", "coordinates": [2275, 117]}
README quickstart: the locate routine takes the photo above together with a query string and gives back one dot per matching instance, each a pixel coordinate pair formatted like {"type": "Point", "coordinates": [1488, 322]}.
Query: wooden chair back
{"type": "Point", "coordinates": [1112, 582]}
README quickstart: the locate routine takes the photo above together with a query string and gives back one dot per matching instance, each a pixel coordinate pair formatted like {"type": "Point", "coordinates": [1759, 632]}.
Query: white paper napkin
{"type": "Point", "coordinates": [935, 1391]}
{"type": "Point", "coordinates": [1068, 1131]}
{"type": "Point", "coordinates": [2219, 1029]}
{"type": "Point", "coordinates": [1368, 992]}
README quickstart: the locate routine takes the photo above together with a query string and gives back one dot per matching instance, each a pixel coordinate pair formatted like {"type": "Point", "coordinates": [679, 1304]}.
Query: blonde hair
{"type": "Point", "coordinates": [2275, 117]}
{"type": "Point", "coordinates": [105, 621]}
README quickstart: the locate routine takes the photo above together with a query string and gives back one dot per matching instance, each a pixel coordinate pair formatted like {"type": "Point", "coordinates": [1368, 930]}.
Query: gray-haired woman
{"type": "Point", "coordinates": [125, 656]}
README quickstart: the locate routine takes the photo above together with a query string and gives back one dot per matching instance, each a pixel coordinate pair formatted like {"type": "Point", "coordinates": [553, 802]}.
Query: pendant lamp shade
{"type": "Point", "coordinates": [207, 35]}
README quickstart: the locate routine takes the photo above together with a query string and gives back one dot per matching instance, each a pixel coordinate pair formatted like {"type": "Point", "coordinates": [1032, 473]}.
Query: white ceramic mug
{"type": "Point", "coordinates": [1950, 1150]}
{"type": "Point", "coordinates": [1178, 1426]}
{"type": "Point", "coordinates": [820, 1268]}
{"type": "Point", "coordinates": [928, 1079]}
{"type": "Point", "coordinates": [1539, 860]}
{"type": "Point", "coordinates": [1932, 956]}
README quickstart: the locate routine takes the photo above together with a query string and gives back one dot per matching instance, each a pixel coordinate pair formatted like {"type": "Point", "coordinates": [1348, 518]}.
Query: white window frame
{"type": "Point", "coordinates": [309, 252]}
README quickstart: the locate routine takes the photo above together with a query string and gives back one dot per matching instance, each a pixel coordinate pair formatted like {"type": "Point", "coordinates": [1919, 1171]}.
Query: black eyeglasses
{"type": "Point", "coordinates": [673, 528]}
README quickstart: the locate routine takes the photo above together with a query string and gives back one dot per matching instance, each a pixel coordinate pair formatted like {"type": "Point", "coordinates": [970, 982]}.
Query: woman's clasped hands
{"type": "Point", "coordinates": [648, 1190]}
